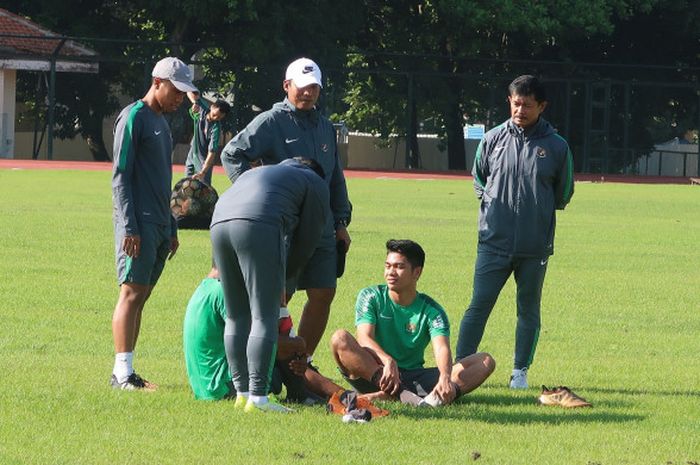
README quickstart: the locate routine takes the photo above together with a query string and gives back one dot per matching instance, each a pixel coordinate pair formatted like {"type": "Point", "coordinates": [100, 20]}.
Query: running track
{"type": "Point", "coordinates": [15, 164]}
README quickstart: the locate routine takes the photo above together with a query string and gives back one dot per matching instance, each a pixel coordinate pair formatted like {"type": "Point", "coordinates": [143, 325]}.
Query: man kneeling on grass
{"type": "Point", "coordinates": [394, 324]}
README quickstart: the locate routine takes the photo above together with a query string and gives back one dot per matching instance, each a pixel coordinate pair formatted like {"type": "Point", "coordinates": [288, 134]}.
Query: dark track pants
{"type": "Point", "coordinates": [251, 262]}
{"type": "Point", "coordinates": [490, 275]}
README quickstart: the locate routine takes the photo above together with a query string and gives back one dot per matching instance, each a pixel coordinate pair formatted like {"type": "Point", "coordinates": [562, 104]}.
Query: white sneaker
{"type": "Point", "coordinates": [518, 380]}
{"type": "Point", "coordinates": [431, 400]}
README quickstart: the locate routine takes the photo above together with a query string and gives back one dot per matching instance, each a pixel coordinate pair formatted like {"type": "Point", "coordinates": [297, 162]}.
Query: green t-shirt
{"type": "Point", "coordinates": [403, 332]}
{"type": "Point", "coordinates": [203, 341]}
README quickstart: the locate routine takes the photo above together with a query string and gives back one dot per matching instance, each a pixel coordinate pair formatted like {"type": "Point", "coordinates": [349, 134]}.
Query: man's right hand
{"type": "Point", "coordinates": [131, 245]}
{"type": "Point", "coordinates": [390, 382]}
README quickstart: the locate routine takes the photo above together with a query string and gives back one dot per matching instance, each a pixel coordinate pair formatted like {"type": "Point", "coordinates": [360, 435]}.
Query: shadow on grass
{"type": "Point", "coordinates": [542, 415]}
{"type": "Point", "coordinates": [494, 408]}
{"type": "Point", "coordinates": [644, 392]}
{"type": "Point", "coordinates": [501, 400]}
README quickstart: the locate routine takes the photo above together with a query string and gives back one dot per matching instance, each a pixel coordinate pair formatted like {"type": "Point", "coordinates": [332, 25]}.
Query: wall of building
{"type": "Point", "coordinates": [363, 151]}
{"type": "Point", "coordinates": [7, 112]}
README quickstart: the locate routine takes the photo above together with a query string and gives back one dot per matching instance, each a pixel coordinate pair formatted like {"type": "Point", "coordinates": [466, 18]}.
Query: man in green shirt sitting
{"type": "Point", "coordinates": [395, 323]}
{"type": "Point", "coordinates": [205, 355]}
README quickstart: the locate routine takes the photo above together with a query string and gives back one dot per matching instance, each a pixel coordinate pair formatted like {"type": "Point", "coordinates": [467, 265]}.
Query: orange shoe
{"type": "Point", "coordinates": [344, 401]}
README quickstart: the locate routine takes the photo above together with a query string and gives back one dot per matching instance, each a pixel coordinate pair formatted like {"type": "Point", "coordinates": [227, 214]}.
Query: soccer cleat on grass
{"type": "Point", "coordinates": [149, 385]}
{"type": "Point", "coordinates": [518, 380]}
{"type": "Point", "coordinates": [270, 406]}
{"type": "Point", "coordinates": [410, 398]}
{"type": "Point", "coordinates": [357, 416]}
{"type": "Point", "coordinates": [133, 383]}
{"type": "Point", "coordinates": [563, 397]}
{"type": "Point", "coordinates": [240, 402]}
{"type": "Point", "coordinates": [431, 400]}
{"type": "Point", "coordinates": [346, 401]}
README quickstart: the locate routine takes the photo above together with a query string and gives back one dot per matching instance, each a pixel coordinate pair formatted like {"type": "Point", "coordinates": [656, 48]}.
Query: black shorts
{"type": "Point", "coordinates": [419, 381]}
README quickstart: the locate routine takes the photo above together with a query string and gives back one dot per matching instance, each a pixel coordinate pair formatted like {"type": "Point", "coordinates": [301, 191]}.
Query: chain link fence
{"type": "Point", "coordinates": [635, 120]}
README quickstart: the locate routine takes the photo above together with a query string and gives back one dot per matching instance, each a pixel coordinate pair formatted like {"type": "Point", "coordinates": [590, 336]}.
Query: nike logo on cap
{"type": "Point", "coordinates": [157, 133]}
{"type": "Point", "coordinates": [289, 141]}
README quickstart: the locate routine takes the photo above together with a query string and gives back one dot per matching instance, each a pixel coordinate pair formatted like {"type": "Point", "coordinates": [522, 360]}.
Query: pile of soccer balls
{"type": "Point", "coordinates": [192, 203]}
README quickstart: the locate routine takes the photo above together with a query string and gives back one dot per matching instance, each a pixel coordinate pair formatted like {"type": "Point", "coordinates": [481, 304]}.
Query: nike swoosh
{"type": "Point", "coordinates": [385, 317]}
{"type": "Point", "coordinates": [544, 262]}
{"type": "Point", "coordinates": [157, 133]}
{"type": "Point", "coordinates": [289, 141]}
{"type": "Point", "coordinates": [500, 147]}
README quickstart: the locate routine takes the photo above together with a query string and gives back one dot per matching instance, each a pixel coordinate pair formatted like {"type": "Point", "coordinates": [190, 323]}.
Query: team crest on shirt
{"type": "Point", "coordinates": [541, 153]}
{"type": "Point", "coordinates": [411, 327]}
{"type": "Point", "coordinates": [324, 147]}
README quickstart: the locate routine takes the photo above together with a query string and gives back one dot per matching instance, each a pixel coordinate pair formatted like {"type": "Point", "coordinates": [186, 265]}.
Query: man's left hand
{"type": "Point", "coordinates": [444, 390]}
{"type": "Point", "coordinates": [342, 234]}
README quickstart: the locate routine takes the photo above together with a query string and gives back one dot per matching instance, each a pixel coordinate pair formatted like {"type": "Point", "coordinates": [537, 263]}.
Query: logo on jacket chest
{"type": "Point", "coordinates": [324, 147]}
{"type": "Point", "coordinates": [540, 152]}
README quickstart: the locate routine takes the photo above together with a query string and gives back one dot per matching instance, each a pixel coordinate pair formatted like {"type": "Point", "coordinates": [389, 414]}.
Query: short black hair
{"type": "Point", "coordinates": [313, 164]}
{"type": "Point", "coordinates": [528, 85]}
{"type": "Point", "coordinates": [223, 106]}
{"type": "Point", "coordinates": [411, 250]}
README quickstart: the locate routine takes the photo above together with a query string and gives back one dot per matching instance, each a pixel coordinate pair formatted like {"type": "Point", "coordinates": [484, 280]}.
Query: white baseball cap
{"type": "Point", "coordinates": [303, 72]}
{"type": "Point", "coordinates": [175, 71]}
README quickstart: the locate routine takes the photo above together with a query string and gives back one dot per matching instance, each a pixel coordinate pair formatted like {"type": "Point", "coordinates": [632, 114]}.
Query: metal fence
{"type": "Point", "coordinates": [614, 117]}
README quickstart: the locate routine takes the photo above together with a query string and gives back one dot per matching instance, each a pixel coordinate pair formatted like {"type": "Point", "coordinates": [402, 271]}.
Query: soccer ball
{"type": "Point", "coordinates": [192, 203]}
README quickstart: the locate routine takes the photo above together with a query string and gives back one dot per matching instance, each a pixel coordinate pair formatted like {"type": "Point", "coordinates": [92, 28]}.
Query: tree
{"type": "Point", "coordinates": [243, 47]}
{"type": "Point", "coordinates": [390, 67]}
{"type": "Point", "coordinates": [82, 100]}
{"type": "Point", "coordinates": [462, 49]}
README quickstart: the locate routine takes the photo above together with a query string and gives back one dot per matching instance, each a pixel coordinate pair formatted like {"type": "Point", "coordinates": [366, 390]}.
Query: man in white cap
{"type": "Point", "coordinates": [292, 128]}
{"type": "Point", "coordinates": [144, 230]}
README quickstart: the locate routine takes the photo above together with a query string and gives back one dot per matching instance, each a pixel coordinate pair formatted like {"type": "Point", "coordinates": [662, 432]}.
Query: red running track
{"type": "Point", "coordinates": [350, 173]}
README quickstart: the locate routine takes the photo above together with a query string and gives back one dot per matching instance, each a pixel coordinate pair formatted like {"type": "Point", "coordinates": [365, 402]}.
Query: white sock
{"type": "Point", "coordinates": [123, 365]}
{"type": "Point", "coordinates": [258, 400]}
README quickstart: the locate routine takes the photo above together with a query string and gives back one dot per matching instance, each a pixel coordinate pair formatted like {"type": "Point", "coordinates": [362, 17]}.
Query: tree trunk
{"type": "Point", "coordinates": [456, 156]}
{"type": "Point", "coordinates": [91, 130]}
{"type": "Point", "coordinates": [414, 159]}
{"type": "Point", "coordinates": [96, 144]}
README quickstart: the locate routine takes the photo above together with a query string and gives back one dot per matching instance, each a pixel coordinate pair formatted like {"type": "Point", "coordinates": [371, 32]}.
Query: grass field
{"type": "Point", "coordinates": [620, 326]}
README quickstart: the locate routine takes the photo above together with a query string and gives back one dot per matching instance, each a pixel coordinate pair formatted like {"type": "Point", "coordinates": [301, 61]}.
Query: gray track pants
{"type": "Point", "coordinates": [251, 261]}
{"type": "Point", "coordinates": [491, 272]}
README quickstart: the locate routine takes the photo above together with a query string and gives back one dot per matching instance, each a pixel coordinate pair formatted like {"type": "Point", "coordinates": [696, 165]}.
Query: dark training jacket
{"type": "Point", "coordinates": [288, 196]}
{"type": "Point", "coordinates": [521, 177]}
{"type": "Point", "coordinates": [284, 132]}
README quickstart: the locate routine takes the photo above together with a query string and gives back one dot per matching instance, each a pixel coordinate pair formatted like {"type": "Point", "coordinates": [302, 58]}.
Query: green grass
{"type": "Point", "coordinates": [620, 326]}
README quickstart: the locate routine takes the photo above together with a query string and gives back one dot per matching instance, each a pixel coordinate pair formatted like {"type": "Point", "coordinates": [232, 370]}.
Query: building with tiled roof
{"type": "Point", "coordinates": [26, 46]}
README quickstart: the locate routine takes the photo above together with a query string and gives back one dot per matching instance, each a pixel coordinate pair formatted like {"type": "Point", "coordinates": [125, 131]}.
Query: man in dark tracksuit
{"type": "Point", "coordinates": [523, 171]}
{"type": "Point", "coordinates": [145, 232]}
{"type": "Point", "coordinates": [291, 128]}
{"type": "Point", "coordinates": [264, 229]}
